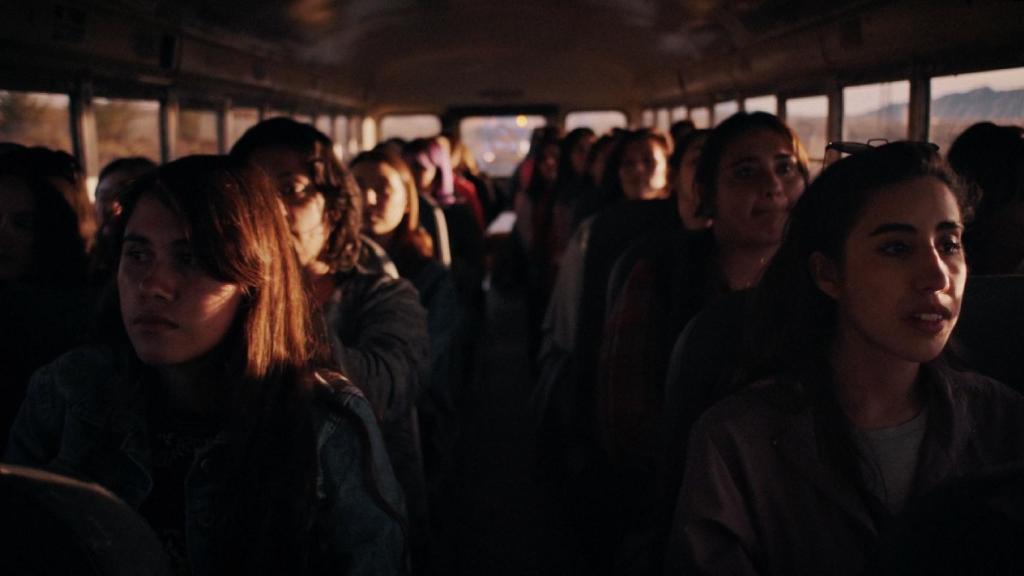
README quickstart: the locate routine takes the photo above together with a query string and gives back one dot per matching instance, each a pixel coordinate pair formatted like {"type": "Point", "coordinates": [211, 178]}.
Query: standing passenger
{"type": "Point", "coordinates": [205, 406]}
{"type": "Point", "coordinates": [857, 413]}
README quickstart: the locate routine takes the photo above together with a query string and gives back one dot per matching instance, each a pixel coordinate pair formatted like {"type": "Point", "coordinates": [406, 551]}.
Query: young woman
{"type": "Point", "coordinates": [203, 405]}
{"type": "Point", "coordinates": [392, 219]}
{"type": "Point", "coordinates": [855, 413]}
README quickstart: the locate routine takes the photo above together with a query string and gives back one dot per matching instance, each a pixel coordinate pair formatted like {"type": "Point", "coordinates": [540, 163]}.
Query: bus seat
{"type": "Point", "coordinates": [53, 524]}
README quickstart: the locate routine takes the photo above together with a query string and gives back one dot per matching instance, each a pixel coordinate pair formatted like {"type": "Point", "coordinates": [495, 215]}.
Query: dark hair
{"type": "Point", "coordinates": [795, 319]}
{"type": "Point", "coordinates": [236, 230]}
{"type": "Point", "coordinates": [412, 242]}
{"type": "Point", "coordinates": [722, 136]}
{"type": "Point", "coordinates": [610, 183]}
{"type": "Point", "coordinates": [58, 249]}
{"type": "Point", "coordinates": [695, 136]}
{"type": "Point", "coordinates": [344, 203]}
{"type": "Point", "coordinates": [133, 164]}
{"type": "Point", "coordinates": [565, 173]}
{"type": "Point", "coordinates": [990, 161]}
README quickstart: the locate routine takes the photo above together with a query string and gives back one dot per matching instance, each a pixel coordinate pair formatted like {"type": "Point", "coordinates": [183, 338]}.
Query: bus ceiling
{"type": "Point", "coordinates": [417, 56]}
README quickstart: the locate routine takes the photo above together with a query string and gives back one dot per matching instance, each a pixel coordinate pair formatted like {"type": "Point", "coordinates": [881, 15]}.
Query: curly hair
{"type": "Point", "coordinates": [343, 202]}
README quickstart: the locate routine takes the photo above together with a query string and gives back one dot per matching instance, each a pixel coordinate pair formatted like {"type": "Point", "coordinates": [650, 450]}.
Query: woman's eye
{"type": "Point", "coordinates": [137, 255]}
{"type": "Point", "coordinates": [950, 246]}
{"type": "Point", "coordinates": [785, 168]}
{"type": "Point", "coordinates": [744, 172]}
{"type": "Point", "coordinates": [895, 248]}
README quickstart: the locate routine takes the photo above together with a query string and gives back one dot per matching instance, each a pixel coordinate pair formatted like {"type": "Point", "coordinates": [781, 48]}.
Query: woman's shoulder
{"type": "Point", "coordinates": [79, 373]}
{"type": "Point", "coordinates": [757, 409]}
{"type": "Point", "coordinates": [980, 393]}
{"type": "Point", "coordinates": [336, 398]}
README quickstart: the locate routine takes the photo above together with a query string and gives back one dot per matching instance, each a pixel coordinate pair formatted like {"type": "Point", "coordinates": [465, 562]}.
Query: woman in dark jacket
{"type": "Point", "coordinates": [206, 407]}
{"type": "Point", "coordinates": [376, 325]}
{"type": "Point", "coordinates": [853, 413]}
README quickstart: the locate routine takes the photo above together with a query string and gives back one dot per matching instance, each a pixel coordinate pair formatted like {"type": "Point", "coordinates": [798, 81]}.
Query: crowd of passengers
{"type": "Point", "coordinates": [739, 368]}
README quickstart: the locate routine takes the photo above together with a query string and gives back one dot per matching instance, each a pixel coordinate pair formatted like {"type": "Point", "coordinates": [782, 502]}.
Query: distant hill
{"type": "Point", "coordinates": [980, 103]}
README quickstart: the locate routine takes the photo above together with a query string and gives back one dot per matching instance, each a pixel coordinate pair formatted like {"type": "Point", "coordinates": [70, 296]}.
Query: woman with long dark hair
{"type": "Point", "coordinates": [205, 403]}
{"type": "Point", "coordinates": [851, 412]}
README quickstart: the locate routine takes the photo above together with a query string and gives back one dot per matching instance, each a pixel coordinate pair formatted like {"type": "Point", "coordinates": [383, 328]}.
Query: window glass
{"type": "Point", "coordinates": [127, 128]}
{"type": "Point", "coordinates": [600, 121]}
{"type": "Point", "coordinates": [241, 120]}
{"type": "Point", "coordinates": [197, 132]}
{"type": "Point", "coordinates": [769, 104]}
{"type": "Point", "coordinates": [662, 121]}
{"type": "Point", "coordinates": [876, 111]}
{"type": "Point", "coordinates": [965, 99]}
{"type": "Point", "coordinates": [679, 113]}
{"type": "Point", "coordinates": [341, 136]}
{"type": "Point", "coordinates": [809, 117]}
{"type": "Point", "coordinates": [410, 126]}
{"type": "Point", "coordinates": [35, 119]}
{"type": "Point", "coordinates": [499, 143]}
{"type": "Point", "coordinates": [303, 118]}
{"type": "Point", "coordinates": [701, 117]}
{"type": "Point", "coordinates": [323, 123]}
{"type": "Point", "coordinates": [369, 133]}
{"type": "Point", "coordinates": [647, 118]}
{"type": "Point", "coordinates": [725, 109]}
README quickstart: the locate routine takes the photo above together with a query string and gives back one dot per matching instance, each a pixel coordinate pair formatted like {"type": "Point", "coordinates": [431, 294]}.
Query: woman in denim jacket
{"type": "Point", "coordinates": [204, 407]}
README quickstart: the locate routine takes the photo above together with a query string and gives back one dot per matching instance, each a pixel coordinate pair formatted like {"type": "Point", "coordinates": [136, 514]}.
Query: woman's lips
{"type": "Point", "coordinates": [154, 322]}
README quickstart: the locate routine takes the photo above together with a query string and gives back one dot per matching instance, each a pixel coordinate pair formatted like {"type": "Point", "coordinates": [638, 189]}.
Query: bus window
{"type": "Point", "coordinates": [661, 120]}
{"type": "Point", "coordinates": [965, 99]}
{"type": "Point", "coordinates": [600, 121]}
{"type": "Point", "coordinates": [369, 133]}
{"type": "Point", "coordinates": [127, 128]}
{"type": "Point", "coordinates": [341, 136]}
{"type": "Point", "coordinates": [725, 109]}
{"type": "Point", "coordinates": [499, 143]}
{"type": "Point", "coordinates": [241, 120]}
{"type": "Point", "coordinates": [679, 113]}
{"type": "Point", "coordinates": [323, 124]}
{"type": "Point", "coordinates": [35, 119]}
{"type": "Point", "coordinates": [701, 117]}
{"type": "Point", "coordinates": [809, 117]}
{"type": "Point", "coordinates": [197, 132]}
{"type": "Point", "coordinates": [876, 111]}
{"type": "Point", "coordinates": [303, 118]}
{"type": "Point", "coordinates": [647, 118]}
{"type": "Point", "coordinates": [769, 104]}
{"type": "Point", "coordinates": [410, 126]}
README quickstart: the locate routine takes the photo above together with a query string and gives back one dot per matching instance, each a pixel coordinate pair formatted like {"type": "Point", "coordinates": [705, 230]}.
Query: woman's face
{"type": "Point", "coordinates": [304, 205]}
{"type": "Point", "coordinates": [758, 181]}
{"type": "Point", "coordinates": [902, 278]}
{"type": "Point", "coordinates": [686, 195]}
{"type": "Point", "coordinates": [547, 163]}
{"type": "Point", "coordinates": [578, 153]}
{"type": "Point", "coordinates": [17, 225]}
{"type": "Point", "coordinates": [173, 311]}
{"type": "Point", "coordinates": [643, 172]}
{"type": "Point", "coordinates": [386, 198]}
{"type": "Point", "coordinates": [423, 172]}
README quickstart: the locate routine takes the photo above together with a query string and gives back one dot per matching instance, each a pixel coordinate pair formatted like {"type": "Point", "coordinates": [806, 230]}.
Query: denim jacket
{"type": "Point", "coordinates": [83, 419]}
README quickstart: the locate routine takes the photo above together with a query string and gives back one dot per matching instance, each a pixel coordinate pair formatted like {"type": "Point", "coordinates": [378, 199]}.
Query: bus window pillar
{"type": "Point", "coordinates": [224, 126]}
{"type": "Point", "coordinates": [919, 106]}
{"type": "Point", "coordinates": [834, 128]}
{"type": "Point", "coordinates": [169, 109]}
{"type": "Point", "coordinates": [780, 110]}
{"type": "Point", "coordinates": [84, 141]}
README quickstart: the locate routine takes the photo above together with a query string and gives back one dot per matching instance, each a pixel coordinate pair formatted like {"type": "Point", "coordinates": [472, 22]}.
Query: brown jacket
{"type": "Point", "coordinates": [758, 497]}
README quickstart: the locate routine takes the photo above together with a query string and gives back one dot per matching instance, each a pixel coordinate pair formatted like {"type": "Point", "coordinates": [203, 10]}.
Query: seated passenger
{"type": "Point", "coordinates": [752, 170]}
{"type": "Point", "coordinates": [990, 159]}
{"type": "Point", "coordinates": [377, 328]}
{"type": "Point", "coordinates": [205, 405]}
{"type": "Point", "coordinates": [855, 413]}
{"type": "Point", "coordinates": [44, 305]}
{"type": "Point", "coordinates": [392, 219]}
{"type": "Point", "coordinates": [113, 179]}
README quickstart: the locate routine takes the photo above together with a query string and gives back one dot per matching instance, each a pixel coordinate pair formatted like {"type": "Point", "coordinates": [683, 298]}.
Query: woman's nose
{"type": "Point", "coordinates": [157, 282]}
{"type": "Point", "coordinates": [933, 273]}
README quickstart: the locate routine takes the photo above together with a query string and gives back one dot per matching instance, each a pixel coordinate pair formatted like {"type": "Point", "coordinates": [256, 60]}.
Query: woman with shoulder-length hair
{"type": "Point", "coordinates": [855, 414]}
{"type": "Point", "coordinates": [204, 404]}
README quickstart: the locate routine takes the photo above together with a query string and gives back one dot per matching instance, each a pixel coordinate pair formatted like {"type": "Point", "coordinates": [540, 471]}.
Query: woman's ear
{"type": "Point", "coordinates": [825, 274]}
